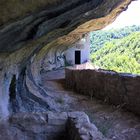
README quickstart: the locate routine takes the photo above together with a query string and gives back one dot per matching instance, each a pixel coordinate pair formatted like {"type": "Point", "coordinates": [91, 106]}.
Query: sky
{"type": "Point", "coordinates": [127, 18]}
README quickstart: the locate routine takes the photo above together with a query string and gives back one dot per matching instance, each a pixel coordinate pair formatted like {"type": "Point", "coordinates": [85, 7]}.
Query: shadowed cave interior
{"type": "Point", "coordinates": [43, 99]}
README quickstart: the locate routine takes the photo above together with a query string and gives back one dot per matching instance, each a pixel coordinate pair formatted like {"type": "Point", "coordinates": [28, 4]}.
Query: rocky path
{"type": "Point", "coordinates": [113, 122]}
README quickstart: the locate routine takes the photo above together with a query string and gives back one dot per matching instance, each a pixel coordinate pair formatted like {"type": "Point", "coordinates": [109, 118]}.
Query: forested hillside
{"type": "Point", "coordinates": [121, 55]}
{"type": "Point", "coordinates": [99, 38]}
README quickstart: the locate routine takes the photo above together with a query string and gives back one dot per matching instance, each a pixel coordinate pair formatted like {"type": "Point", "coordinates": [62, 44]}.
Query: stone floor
{"type": "Point", "coordinates": [112, 121]}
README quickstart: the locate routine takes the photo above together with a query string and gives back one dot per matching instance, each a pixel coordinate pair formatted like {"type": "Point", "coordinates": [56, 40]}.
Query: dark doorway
{"type": "Point", "coordinates": [78, 57]}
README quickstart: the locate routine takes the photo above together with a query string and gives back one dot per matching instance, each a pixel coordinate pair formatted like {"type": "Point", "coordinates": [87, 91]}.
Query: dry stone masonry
{"type": "Point", "coordinates": [49, 126]}
{"type": "Point", "coordinates": [112, 87]}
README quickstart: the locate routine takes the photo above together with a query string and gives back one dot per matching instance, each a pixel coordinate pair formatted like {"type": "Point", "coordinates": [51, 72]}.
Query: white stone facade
{"type": "Point", "coordinates": [83, 46]}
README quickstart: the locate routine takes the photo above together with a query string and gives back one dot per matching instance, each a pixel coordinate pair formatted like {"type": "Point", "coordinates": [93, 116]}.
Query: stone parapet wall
{"type": "Point", "coordinates": [112, 87]}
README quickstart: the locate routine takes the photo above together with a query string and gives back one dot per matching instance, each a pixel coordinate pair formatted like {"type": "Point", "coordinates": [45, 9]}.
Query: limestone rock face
{"type": "Point", "coordinates": [38, 31]}
{"type": "Point", "coordinates": [62, 19]}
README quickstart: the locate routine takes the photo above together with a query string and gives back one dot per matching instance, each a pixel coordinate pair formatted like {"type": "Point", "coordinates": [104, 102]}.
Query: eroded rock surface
{"type": "Point", "coordinates": [32, 33]}
{"type": "Point", "coordinates": [33, 37]}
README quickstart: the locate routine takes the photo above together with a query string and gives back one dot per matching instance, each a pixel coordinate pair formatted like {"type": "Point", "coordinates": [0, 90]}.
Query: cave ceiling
{"type": "Point", "coordinates": [34, 33]}
{"type": "Point", "coordinates": [37, 23]}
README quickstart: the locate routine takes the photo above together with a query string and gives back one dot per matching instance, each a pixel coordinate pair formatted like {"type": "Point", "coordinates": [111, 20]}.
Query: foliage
{"type": "Point", "coordinates": [99, 38]}
{"type": "Point", "coordinates": [121, 55]}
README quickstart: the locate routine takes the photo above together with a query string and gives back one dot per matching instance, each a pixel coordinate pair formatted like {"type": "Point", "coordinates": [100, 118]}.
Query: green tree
{"type": "Point", "coordinates": [121, 55]}
{"type": "Point", "coordinates": [99, 38]}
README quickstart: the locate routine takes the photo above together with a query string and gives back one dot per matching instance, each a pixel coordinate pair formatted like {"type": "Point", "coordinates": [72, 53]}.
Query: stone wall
{"type": "Point", "coordinates": [50, 126]}
{"type": "Point", "coordinates": [114, 88]}
{"type": "Point", "coordinates": [80, 128]}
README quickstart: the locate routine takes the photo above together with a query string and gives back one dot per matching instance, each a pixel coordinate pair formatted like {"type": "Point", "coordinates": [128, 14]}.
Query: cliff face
{"type": "Point", "coordinates": [34, 31]}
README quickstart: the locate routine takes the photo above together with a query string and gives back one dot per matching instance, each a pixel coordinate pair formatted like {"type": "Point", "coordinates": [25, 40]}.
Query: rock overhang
{"type": "Point", "coordinates": [67, 19]}
{"type": "Point", "coordinates": [26, 41]}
